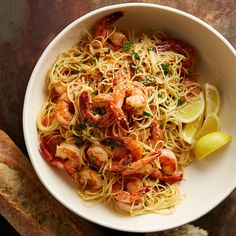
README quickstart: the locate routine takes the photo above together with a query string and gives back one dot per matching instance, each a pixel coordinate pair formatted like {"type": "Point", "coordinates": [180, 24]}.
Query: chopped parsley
{"type": "Point", "coordinates": [95, 169]}
{"type": "Point", "coordinates": [75, 72]}
{"type": "Point", "coordinates": [99, 111]}
{"type": "Point", "coordinates": [91, 159]}
{"type": "Point", "coordinates": [94, 125]}
{"type": "Point", "coordinates": [79, 141]}
{"type": "Point", "coordinates": [110, 142]}
{"type": "Point", "coordinates": [180, 102]}
{"type": "Point", "coordinates": [127, 46]}
{"type": "Point", "coordinates": [148, 81]}
{"type": "Point", "coordinates": [81, 126]}
{"type": "Point", "coordinates": [166, 68]}
{"type": "Point", "coordinates": [135, 55]}
{"type": "Point", "coordinates": [147, 114]}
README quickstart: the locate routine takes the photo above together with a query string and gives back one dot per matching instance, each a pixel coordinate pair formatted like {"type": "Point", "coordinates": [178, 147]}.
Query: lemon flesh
{"type": "Point", "coordinates": [191, 129]}
{"type": "Point", "coordinates": [210, 143]}
{"type": "Point", "coordinates": [210, 124]}
{"type": "Point", "coordinates": [212, 99]}
{"type": "Point", "coordinates": [192, 110]}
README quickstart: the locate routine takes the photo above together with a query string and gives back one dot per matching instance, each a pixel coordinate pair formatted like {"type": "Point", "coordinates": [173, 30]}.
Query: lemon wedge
{"type": "Point", "coordinates": [210, 124]}
{"type": "Point", "coordinates": [210, 143]}
{"type": "Point", "coordinates": [191, 129]}
{"type": "Point", "coordinates": [212, 99]}
{"type": "Point", "coordinates": [192, 110]}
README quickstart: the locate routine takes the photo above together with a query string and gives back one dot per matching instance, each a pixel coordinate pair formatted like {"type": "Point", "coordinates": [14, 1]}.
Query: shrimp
{"type": "Point", "coordinates": [135, 167]}
{"type": "Point", "coordinates": [98, 111]}
{"type": "Point", "coordinates": [156, 130]}
{"type": "Point", "coordinates": [89, 179]}
{"type": "Point", "coordinates": [64, 156]}
{"type": "Point", "coordinates": [181, 48]}
{"type": "Point", "coordinates": [124, 146]}
{"type": "Point", "coordinates": [130, 95]}
{"type": "Point", "coordinates": [64, 110]}
{"type": "Point", "coordinates": [132, 193]}
{"type": "Point", "coordinates": [102, 30]}
{"type": "Point", "coordinates": [168, 168]}
{"type": "Point", "coordinates": [97, 155]}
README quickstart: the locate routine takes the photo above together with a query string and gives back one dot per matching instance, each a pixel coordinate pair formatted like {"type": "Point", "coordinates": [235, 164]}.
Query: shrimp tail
{"type": "Point", "coordinates": [49, 155]}
{"type": "Point", "coordinates": [85, 105]}
{"type": "Point", "coordinates": [105, 23]}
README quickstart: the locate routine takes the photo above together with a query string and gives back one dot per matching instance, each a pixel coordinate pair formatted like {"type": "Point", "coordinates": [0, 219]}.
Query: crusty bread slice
{"type": "Point", "coordinates": [185, 230]}
{"type": "Point", "coordinates": [27, 205]}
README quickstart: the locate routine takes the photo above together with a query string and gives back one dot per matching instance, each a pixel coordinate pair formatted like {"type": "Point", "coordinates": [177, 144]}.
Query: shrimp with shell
{"type": "Point", "coordinates": [103, 30]}
{"type": "Point", "coordinates": [130, 193]}
{"type": "Point", "coordinates": [97, 110]}
{"type": "Point", "coordinates": [179, 47]}
{"type": "Point", "coordinates": [128, 96]}
{"type": "Point", "coordinates": [63, 155]}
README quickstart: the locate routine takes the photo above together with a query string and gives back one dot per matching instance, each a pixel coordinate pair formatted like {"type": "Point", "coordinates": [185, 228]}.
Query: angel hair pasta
{"type": "Point", "coordinates": [110, 119]}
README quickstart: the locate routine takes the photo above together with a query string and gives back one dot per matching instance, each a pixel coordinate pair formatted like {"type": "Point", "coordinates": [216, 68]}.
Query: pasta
{"type": "Point", "coordinates": [110, 118]}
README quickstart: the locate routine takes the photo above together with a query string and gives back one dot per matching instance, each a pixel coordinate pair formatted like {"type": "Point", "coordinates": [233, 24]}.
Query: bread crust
{"type": "Point", "coordinates": [27, 205]}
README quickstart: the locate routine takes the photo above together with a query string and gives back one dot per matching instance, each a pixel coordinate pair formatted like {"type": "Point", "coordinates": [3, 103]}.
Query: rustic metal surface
{"type": "Point", "coordinates": [28, 26]}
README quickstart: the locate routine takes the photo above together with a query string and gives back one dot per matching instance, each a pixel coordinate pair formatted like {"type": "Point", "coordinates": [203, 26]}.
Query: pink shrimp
{"type": "Point", "coordinates": [156, 130]}
{"type": "Point", "coordinates": [64, 110]}
{"type": "Point", "coordinates": [98, 110]}
{"type": "Point", "coordinates": [89, 179]}
{"type": "Point", "coordinates": [136, 167]}
{"type": "Point", "coordinates": [129, 95]}
{"type": "Point", "coordinates": [63, 155]}
{"type": "Point", "coordinates": [181, 48]}
{"type": "Point", "coordinates": [97, 155]}
{"type": "Point", "coordinates": [131, 192]}
{"type": "Point", "coordinates": [102, 30]}
{"type": "Point", "coordinates": [123, 146]}
{"type": "Point", "coordinates": [168, 172]}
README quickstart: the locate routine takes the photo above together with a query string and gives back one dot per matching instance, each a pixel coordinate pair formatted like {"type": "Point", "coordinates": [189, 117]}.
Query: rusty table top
{"type": "Point", "coordinates": [27, 27]}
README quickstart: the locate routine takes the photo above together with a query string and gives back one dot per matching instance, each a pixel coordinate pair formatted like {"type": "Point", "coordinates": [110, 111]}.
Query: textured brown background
{"type": "Point", "coordinates": [28, 26]}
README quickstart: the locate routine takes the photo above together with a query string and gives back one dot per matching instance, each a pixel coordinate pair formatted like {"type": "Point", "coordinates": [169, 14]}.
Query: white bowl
{"type": "Point", "coordinates": [207, 182]}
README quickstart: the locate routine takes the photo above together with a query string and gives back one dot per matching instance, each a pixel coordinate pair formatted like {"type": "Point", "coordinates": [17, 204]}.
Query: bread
{"type": "Point", "coordinates": [27, 205]}
{"type": "Point", "coordinates": [185, 230]}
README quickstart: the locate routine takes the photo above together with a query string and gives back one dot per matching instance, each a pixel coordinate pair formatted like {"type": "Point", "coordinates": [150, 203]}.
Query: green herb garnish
{"type": "Point", "coordinates": [101, 111]}
{"type": "Point", "coordinates": [94, 125]}
{"type": "Point", "coordinates": [166, 68]}
{"type": "Point", "coordinates": [79, 142]}
{"type": "Point", "coordinates": [110, 142]}
{"type": "Point", "coordinates": [127, 46]}
{"type": "Point", "coordinates": [91, 159]}
{"type": "Point", "coordinates": [180, 102]}
{"type": "Point", "coordinates": [75, 72]}
{"type": "Point", "coordinates": [81, 126]}
{"type": "Point", "coordinates": [93, 168]}
{"type": "Point", "coordinates": [148, 81]}
{"type": "Point", "coordinates": [135, 55]}
{"type": "Point", "coordinates": [147, 114]}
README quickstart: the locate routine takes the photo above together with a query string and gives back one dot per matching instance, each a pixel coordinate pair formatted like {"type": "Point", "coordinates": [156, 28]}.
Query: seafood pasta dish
{"type": "Point", "coordinates": [111, 120]}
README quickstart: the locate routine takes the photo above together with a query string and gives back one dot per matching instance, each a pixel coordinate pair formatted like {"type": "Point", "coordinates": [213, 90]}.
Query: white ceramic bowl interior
{"type": "Point", "coordinates": [207, 182]}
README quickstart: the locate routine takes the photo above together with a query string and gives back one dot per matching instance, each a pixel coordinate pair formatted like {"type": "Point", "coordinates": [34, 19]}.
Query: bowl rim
{"type": "Point", "coordinates": [31, 81]}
